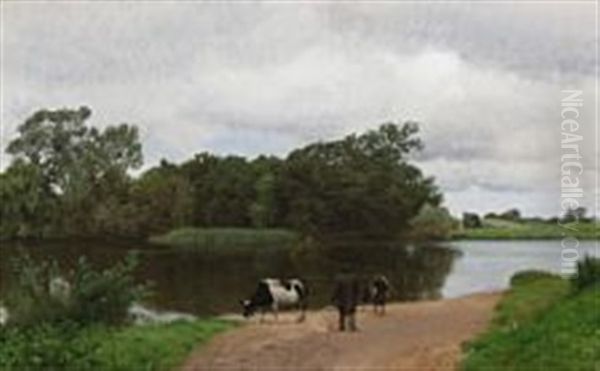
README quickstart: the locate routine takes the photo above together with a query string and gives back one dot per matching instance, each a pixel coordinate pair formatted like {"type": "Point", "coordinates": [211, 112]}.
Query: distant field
{"type": "Point", "coordinates": [496, 229]}
{"type": "Point", "coordinates": [226, 238]}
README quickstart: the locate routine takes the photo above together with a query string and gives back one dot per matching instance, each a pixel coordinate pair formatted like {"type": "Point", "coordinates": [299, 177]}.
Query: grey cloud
{"type": "Point", "coordinates": [265, 77]}
{"type": "Point", "coordinates": [534, 39]}
{"type": "Point", "coordinates": [93, 42]}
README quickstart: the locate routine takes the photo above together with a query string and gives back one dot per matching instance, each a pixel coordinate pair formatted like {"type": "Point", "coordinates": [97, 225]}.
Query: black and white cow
{"type": "Point", "coordinates": [274, 294]}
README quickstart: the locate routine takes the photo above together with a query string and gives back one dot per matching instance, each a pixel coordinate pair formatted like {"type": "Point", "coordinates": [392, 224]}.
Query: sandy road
{"type": "Point", "coordinates": [413, 336]}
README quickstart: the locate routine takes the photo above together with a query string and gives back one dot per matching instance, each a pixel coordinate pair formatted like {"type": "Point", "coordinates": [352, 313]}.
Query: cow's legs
{"type": "Point", "coordinates": [275, 309]}
{"type": "Point", "coordinates": [303, 305]}
{"type": "Point", "coordinates": [342, 320]}
{"type": "Point", "coordinates": [352, 321]}
{"type": "Point", "coordinates": [262, 315]}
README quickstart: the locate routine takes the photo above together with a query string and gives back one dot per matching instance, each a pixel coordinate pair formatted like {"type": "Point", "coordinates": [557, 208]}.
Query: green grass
{"type": "Point", "coordinates": [532, 293]}
{"type": "Point", "coordinates": [494, 229]}
{"type": "Point", "coordinates": [540, 324]}
{"type": "Point", "coordinates": [59, 347]}
{"type": "Point", "coordinates": [156, 347]}
{"type": "Point", "coordinates": [226, 238]}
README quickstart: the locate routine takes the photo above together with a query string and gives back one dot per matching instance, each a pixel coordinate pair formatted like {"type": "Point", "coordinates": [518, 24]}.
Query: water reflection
{"type": "Point", "coordinates": [210, 283]}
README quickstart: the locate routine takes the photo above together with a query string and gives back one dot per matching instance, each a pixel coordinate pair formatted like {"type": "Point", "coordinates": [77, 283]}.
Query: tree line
{"type": "Point", "coordinates": [70, 179]}
{"type": "Point", "coordinates": [578, 214]}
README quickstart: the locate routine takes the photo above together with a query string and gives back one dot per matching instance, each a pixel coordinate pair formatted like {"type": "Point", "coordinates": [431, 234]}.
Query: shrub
{"type": "Point", "coordinates": [588, 273]}
{"type": "Point", "coordinates": [471, 220]}
{"type": "Point", "coordinates": [92, 297]}
{"type": "Point", "coordinates": [512, 215]}
{"type": "Point", "coordinates": [105, 296]}
{"type": "Point", "coordinates": [29, 300]}
{"type": "Point", "coordinates": [433, 223]}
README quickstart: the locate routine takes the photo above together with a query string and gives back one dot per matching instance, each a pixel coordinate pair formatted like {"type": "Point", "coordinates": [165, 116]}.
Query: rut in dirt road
{"type": "Point", "coordinates": [413, 336]}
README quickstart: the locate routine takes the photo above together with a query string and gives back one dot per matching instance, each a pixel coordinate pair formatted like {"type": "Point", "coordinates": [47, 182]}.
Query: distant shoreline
{"type": "Point", "coordinates": [248, 238]}
{"type": "Point", "coordinates": [493, 229]}
{"type": "Point", "coordinates": [519, 238]}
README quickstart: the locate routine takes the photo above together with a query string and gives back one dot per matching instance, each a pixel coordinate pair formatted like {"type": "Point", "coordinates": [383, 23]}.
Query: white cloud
{"type": "Point", "coordinates": [484, 80]}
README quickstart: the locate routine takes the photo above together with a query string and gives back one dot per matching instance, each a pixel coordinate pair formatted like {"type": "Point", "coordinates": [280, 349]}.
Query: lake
{"type": "Point", "coordinates": [211, 283]}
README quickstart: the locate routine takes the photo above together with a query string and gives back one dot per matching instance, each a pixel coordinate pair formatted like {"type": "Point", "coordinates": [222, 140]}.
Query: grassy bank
{"type": "Point", "coordinates": [226, 238]}
{"type": "Point", "coordinates": [540, 324]}
{"type": "Point", "coordinates": [505, 230]}
{"type": "Point", "coordinates": [59, 347]}
{"type": "Point", "coordinates": [81, 321]}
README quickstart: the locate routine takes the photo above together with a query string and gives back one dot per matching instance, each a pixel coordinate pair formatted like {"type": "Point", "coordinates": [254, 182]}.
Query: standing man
{"type": "Point", "coordinates": [345, 297]}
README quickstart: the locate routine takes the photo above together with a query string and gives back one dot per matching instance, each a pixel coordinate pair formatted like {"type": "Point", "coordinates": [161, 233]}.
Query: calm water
{"type": "Point", "coordinates": [204, 284]}
{"type": "Point", "coordinates": [488, 265]}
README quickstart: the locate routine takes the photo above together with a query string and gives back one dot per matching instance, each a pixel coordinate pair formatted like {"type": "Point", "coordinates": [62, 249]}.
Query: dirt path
{"type": "Point", "coordinates": [414, 336]}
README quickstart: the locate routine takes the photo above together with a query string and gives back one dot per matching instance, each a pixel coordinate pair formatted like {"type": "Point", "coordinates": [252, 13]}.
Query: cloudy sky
{"type": "Point", "coordinates": [483, 79]}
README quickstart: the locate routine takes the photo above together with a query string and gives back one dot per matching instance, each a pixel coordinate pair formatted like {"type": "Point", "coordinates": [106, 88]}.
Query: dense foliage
{"type": "Point", "coordinates": [86, 296]}
{"type": "Point", "coordinates": [65, 174]}
{"type": "Point", "coordinates": [359, 184]}
{"type": "Point", "coordinates": [71, 179]}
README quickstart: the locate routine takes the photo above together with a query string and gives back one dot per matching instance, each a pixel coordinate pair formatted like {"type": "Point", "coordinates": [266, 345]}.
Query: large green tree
{"type": "Point", "coordinates": [79, 165]}
{"type": "Point", "coordinates": [163, 199]}
{"type": "Point", "coordinates": [26, 203]}
{"type": "Point", "coordinates": [359, 185]}
{"type": "Point", "coordinates": [223, 189]}
{"type": "Point", "coordinates": [264, 210]}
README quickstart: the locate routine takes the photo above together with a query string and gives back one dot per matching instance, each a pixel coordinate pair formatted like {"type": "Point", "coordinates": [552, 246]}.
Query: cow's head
{"type": "Point", "coordinates": [247, 308]}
